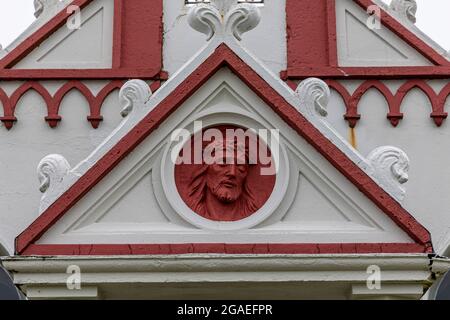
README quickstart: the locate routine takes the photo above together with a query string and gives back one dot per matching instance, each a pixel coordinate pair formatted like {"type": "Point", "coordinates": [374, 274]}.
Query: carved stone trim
{"type": "Point", "coordinates": [46, 7]}
{"type": "Point", "coordinates": [314, 95]}
{"type": "Point", "coordinates": [224, 17]}
{"type": "Point", "coordinates": [404, 9]}
{"type": "Point", "coordinates": [51, 172]}
{"type": "Point", "coordinates": [133, 95]}
{"type": "Point", "coordinates": [391, 166]}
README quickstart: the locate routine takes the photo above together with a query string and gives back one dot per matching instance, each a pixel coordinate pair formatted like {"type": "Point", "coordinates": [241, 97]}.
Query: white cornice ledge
{"type": "Point", "coordinates": [46, 277]}
{"type": "Point", "coordinates": [415, 266]}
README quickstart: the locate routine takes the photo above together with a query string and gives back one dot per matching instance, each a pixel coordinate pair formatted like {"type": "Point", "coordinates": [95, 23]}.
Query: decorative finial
{"type": "Point", "coordinates": [44, 7]}
{"type": "Point", "coordinates": [404, 9]}
{"type": "Point", "coordinates": [133, 95]}
{"type": "Point", "coordinates": [314, 95]}
{"type": "Point", "coordinates": [51, 171]}
{"type": "Point", "coordinates": [222, 17]}
{"type": "Point", "coordinates": [391, 166]}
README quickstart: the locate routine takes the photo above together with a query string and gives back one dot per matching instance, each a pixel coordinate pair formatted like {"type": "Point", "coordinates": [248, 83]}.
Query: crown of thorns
{"type": "Point", "coordinates": [232, 147]}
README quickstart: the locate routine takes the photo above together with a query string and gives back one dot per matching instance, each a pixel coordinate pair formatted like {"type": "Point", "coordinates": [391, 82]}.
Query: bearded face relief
{"type": "Point", "coordinates": [225, 181]}
{"type": "Point", "coordinates": [228, 184]}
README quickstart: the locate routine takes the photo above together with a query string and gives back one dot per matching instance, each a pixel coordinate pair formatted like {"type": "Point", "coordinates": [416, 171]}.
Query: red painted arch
{"type": "Point", "coordinates": [53, 103]}
{"type": "Point", "coordinates": [223, 57]}
{"type": "Point", "coordinates": [24, 88]}
{"type": "Point", "coordinates": [17, 95]}
{"type": "Point", "coordinates": [416, 84]}
{"type": "Point", "coordinates": [95, 117]}
{"type": "Point", "coordinates": [395, 114]}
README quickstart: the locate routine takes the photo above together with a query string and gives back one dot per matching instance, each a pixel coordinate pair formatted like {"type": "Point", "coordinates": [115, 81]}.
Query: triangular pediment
{"type": "Point", "coordinates": [84, 42]}
{"type": "Point", "coordinates": [129, 196]}
{"type": "Point", "coordinates": [364, 41]}
{"type": "Point", "coordinates": [314, 203]}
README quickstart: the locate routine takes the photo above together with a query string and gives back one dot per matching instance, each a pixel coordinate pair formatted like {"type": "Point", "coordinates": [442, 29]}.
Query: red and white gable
{"type": "Point", "coordinates": [336, 205]}
{"type": "Point", "coordinates": [125, 198]}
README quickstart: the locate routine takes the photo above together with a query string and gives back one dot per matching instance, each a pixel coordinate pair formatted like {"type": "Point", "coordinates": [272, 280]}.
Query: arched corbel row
{"type": "Point", "coordinates": [9, 111]}
{"type": "Point", "coordinates": [437, 113]}
{"type": "Point", "coordinates": [394, 115]}
{"type": "Point", "coordinates": [351, 101]}
{"type": "Point", "coordinates": [394, 102]}
{"type": "Point", "coordinates": [54, 103]}
{"type": "Point", "coordinates": [53, 112]}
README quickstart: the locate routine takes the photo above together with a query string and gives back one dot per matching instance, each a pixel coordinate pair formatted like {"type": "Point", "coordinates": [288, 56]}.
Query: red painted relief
{"type": "Point", "coordinates": [54, 102]}
{"type": "Point", "coordinates": [228, 184]}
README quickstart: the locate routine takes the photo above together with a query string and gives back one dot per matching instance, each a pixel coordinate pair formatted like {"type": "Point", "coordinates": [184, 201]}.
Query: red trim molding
{"type": "Point", "coordinates": [406, 35]}
{"type": "Point", "coordinates": [347, 73]}
{"type": "Point", "coordinates": [117, 41]}
{"type": "Point", "coordinates": [138, 34]}
{"type": "Point", "coordinates": [53, 103]}
{"type": "Point", "coordinates": [223, 56]}
{"type": "Point", "coordinates": [394, 101]}
{"type": "Point", "coordinates": [137, 46]}
{"type": "Point", "coordinates": [82, 74]}
{"type": "Point", "coordinates": [310, 33]}
{"type": "Point", "coordinates": [332, 33]}
{"type": "Point", "coordinates": [39, 36]}
{"type": "Point", "coordinates": [222, 248]}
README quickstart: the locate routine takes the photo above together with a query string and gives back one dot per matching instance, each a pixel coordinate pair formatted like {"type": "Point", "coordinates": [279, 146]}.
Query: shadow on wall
{"type": "Point", "coordinates": [3, 251]}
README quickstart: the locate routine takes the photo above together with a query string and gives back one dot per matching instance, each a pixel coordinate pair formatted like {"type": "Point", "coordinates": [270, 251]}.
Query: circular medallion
{"type": "Point", "coordinates": [225, 173]}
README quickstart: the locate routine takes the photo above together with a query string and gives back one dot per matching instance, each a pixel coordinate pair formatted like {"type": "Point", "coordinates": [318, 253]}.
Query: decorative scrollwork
{"type": "Point", "coordinates": [224, 17]}
{"type": "Point", "coordinates": [241, 19]}
{"type": "Point", "coordinates": [133, 94]}
{"type": "Point", "coordinates": [391, 166]}
{"type": "Point", "coordinates": [314, 95]}
{"type": "Point", "coordinates": [41, 6]}
{"type": "Point", "coordinates": [51, 171]}
{"type": "Point", "coordinates": [205, 19]}
{"type": "Point", "coordinates": [404, 9]}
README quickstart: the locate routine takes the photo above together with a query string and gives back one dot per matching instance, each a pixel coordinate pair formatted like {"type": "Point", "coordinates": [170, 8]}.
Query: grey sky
{"type": "Point", "coordinates": [432, 18]}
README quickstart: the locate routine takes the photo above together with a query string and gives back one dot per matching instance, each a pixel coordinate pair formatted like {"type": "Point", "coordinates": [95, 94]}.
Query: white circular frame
{"type": "Point", "coordinates": [182, 209]}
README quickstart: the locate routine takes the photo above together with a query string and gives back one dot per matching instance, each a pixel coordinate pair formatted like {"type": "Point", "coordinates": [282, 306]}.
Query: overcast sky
{"type": "Point", "coordinates": [432, 17]}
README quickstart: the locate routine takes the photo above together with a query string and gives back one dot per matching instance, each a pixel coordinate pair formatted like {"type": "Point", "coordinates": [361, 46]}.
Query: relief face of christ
{"type": "Point", "coordinates": [225, 187]}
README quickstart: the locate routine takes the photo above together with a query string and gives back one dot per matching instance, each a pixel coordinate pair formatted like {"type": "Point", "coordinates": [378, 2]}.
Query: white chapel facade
{"type": "Point", "coordinates": [104, 100]}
